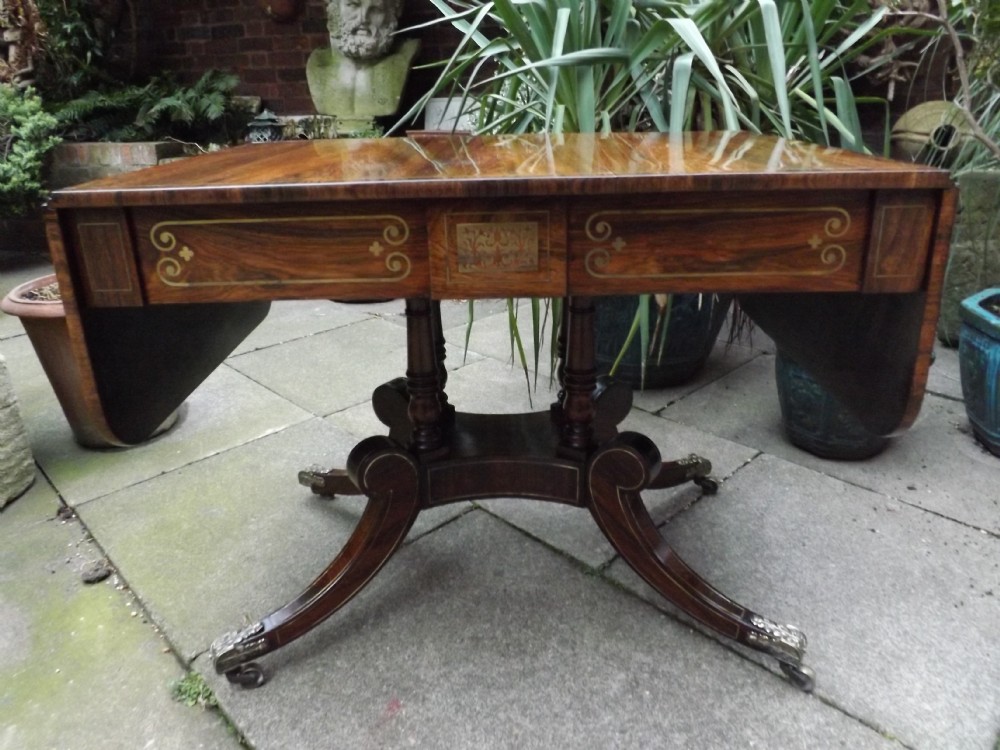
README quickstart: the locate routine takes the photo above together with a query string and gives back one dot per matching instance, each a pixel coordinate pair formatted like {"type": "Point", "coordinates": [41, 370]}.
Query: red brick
{"type": "Point", "coordinates": [265, 75]}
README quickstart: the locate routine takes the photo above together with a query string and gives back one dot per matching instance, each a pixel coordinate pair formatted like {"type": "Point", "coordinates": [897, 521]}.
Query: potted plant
{"type": "Point", "coordinates": [970, 32]}
{"type": "Point", "coordinates": [964, 137]}
{"type": "Point", "coordinates": [979, 364]}
{"type": "Point", "coordinates": [552, 66]}
{"type": "Point", "coordinates": [559, 65]}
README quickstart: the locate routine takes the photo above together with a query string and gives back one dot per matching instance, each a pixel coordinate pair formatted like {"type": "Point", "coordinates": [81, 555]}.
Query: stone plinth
{"type": "Point", "coordinates": [17, 467]}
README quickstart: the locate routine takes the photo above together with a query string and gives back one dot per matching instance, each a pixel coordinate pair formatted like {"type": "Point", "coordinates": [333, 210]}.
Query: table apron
{"type": "Point", "coordinates": [767, 241]}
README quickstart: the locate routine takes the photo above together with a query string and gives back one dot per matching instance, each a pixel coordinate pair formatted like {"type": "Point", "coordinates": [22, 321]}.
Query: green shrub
{"type": "Point", "coordinates": [26, 137]}
{"type": "Point", "coordinates": [204, 112]}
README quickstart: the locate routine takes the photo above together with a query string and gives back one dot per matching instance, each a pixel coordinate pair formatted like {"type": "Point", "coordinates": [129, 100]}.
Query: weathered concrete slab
{"type": "Point", "coordinates": [900, 605]}
{"type": "Point", "coordinates": [79, 665]}
{"type": "Point", "coordinates": [234, 536]}
{"type": "Point", "coordinates": [478, 637]}
{"type": "Point", "coordinates": [936, 464]}
{"type": "Point", "coordinates": [227, 410]}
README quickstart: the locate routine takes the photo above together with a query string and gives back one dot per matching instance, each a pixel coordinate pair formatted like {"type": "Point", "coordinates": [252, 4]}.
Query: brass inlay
{"type": "Point", "coordinates": [832, 257]}
{"type": "Point", "coordinates": [496, 246]}
{"type": "Point", "coordinates": [395, 232]}
{"type": "Point", "coordinates": [637, 517]}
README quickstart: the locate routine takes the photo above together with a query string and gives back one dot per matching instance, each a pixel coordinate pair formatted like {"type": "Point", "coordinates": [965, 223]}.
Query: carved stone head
{"type": "Point", "coordinates": [363, 29]}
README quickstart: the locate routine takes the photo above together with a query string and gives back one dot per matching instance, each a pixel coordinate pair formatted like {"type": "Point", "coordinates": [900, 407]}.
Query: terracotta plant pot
{"type": "Point", "coordinates": [44, 321]}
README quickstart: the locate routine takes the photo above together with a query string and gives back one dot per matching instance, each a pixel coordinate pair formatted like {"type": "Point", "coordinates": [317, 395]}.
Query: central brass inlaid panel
{"type": "Point", "coordinates": [498, 250]}
{"type": "Point", "coordinates": [498, 246]}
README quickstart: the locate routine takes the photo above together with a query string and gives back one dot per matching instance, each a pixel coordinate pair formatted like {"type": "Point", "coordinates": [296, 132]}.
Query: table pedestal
{"type": "Point", "coordinates": [572, 454]}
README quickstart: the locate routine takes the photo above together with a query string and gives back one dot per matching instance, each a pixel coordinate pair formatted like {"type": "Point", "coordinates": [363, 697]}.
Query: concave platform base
{"type": "Point", "coordinates": [572, 455]}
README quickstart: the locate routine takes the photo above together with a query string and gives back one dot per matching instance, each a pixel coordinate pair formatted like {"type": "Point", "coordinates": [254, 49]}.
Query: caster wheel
{"type": "Point", "coordinates": [801, 676]}
{"type": "Point", "coordinates": [708, 485]}
{"type": "Point", "coordinates": [247, 676]}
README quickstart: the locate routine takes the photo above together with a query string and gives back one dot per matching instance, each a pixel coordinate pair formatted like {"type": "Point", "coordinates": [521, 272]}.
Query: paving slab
{"type": "Point", "coordinates": [228, 409]}
{"type": "Point", "coordinates": [80, 668]}
{"type": "Point", "coordinates": [233, 537]}
{"type": "Point", "coordinates": [490, 337]}
{"type": "Point", "coordinates": [944, 377]}
{"type": "Point", "coordinates": [476, 636]}
{"type": "Point", "coordinates": [573, 530]}
{"type": "Point", "coordinates": [333, 370]}
{"type": "Point", "coordinates": [288, 320]}
{"type": "Point", "coordinates": [936, 464]}
{"type": "Point", "coordinates": [900, 605]}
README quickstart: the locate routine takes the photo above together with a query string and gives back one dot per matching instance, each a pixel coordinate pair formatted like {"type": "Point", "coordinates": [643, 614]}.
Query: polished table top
{"type": "Point", "coordinates": [463, 166]}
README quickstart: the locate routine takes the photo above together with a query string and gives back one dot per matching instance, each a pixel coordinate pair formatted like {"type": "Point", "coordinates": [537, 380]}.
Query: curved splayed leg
{"type": "Point", "coordinates": [389, 476]}
{"type": "Point", "coordinates": [617, 473]}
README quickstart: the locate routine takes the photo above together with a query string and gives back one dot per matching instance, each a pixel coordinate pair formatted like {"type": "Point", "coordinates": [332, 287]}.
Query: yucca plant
{"type": "Point", "coordinates": [669, 65]}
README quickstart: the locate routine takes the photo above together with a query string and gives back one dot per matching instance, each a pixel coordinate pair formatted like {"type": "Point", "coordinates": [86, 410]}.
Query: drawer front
{"type": "Point", "coordinates": [741, 242]}
{"type": "Point", "coordinates": [357, 251]}
{"type": "Point", "coordinates": [498, 249]}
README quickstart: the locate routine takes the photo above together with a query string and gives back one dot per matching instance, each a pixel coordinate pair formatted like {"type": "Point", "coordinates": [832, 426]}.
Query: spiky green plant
{"type": "Point", "coordinates": [601, 65]}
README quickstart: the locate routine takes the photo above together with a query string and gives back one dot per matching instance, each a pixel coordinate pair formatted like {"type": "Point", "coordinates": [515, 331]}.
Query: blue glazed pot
{"type": "Point", "coordinates": [979, 364]}
{"type": "Point", "coordinates": [815, 421]}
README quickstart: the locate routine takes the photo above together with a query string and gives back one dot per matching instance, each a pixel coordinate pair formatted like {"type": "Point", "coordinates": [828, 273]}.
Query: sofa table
{"type": "Point", "coordinates": [838, 256]}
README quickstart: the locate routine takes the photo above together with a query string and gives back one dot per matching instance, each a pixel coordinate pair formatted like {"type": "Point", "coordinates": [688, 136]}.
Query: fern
{"type": "Point", "coordinates": [204, 112]}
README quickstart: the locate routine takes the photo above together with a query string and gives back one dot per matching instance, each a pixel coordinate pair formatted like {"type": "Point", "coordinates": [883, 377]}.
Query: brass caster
{"type": "Point", "coordinates": [799, 675]}
{"type": "Point", "coordinates": [247, 676]}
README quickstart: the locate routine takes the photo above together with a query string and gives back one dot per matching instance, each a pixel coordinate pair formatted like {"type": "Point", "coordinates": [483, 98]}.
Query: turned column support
{"type": "Point", "coordinates": [423, 378]}
{"type": "Point", "coordinates": [579, 377]}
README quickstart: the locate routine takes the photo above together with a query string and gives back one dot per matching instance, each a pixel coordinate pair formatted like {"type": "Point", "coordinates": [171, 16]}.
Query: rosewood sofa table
{"type": "Point", "coordinates": [839, 257]}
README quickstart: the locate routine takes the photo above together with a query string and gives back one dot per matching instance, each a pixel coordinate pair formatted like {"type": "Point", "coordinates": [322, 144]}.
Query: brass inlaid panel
{"type": "Point", "coordinates": [902, 225]}
{"type": "Point", "coordinates": [336, 254]}
{"type": "Point", "coordinates": [741, 244]}
{"type": "Point", "coordinates": [507, 247]}
{"type": "Point", "coordinates": [510, 249]}
{"type": "Point", "coordinates": [107, 267]}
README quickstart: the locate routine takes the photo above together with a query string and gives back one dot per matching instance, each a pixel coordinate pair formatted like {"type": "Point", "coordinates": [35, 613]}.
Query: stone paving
{"type": "Point", "coordinates": [502, 623]}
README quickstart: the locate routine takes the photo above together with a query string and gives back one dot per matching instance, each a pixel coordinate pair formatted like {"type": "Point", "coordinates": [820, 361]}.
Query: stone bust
{"type": "Point", "coordinates": [362, 73]}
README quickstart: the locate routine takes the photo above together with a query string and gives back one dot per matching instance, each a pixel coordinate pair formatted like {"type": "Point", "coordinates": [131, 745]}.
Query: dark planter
{"type": "Point", "coordinates": [815, 421]}
{"type": "Point", "coordinates": [979, 365]}
{"type": "Point", "coordinates": [45, 323]}
{"type": "Point", "coordinates": [695, 321]}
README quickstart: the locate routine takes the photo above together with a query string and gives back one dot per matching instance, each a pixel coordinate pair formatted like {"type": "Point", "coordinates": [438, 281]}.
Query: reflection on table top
{"type": "Point", "coordinates": [431, 165]}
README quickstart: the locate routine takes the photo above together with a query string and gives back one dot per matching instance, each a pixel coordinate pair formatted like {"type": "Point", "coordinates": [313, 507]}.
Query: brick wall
{"type": "Point", "coordinates": [191, 36]}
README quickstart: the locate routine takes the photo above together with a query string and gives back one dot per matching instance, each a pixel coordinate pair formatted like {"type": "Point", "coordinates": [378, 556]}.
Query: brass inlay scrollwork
{"type": "Point", "coordinates": [832, 257]}
{"type": "Point", "coordinates": [171, 266]}
{"type": "Point", "coordinates": [496, 246]}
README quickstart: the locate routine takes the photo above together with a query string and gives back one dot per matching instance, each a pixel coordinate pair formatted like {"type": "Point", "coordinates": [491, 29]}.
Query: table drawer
{"type": "Point", "coordinates": [743, 242]}
{"type": "Point", "coordinates": [352, 251]}
{"type": "Point", "coordinates": [505, 248]}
